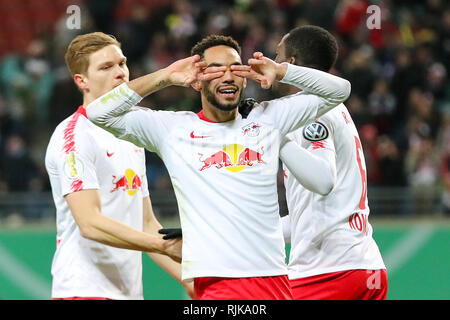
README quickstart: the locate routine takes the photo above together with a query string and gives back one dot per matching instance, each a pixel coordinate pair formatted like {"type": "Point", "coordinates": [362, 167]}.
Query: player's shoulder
{"type": "Point", "coordinates": [267, 103]}
{"type": "Point", "coordinates": [70, 124]}
{"type": "Point", "coordinates": [264, 110]}
{"type": "Point", "coordinates": [336, 117]}
{"type": "Point", "coordinates": [74, 131]}
{"type": "Point", "coordinates": [339, 113]}
{"type": "Point", "coordinates": [325, 126]}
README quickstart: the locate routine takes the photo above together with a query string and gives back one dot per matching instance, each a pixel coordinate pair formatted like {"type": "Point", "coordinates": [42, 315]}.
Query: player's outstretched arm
{"type": "Point", "coordinates": [183, 72]}
{"type": "Point", "coordinates": [321, 91]}
{"type": "Point", "coordinates": [85, 206]}
{"type": "Point", "coordinates": [316, 172]}
{"type": "Point", "coordinates": [331, 88]}
{"type": "Point", "coordinates": [111, 111]}
{"type": "Point", "coordinates": [261, 69]}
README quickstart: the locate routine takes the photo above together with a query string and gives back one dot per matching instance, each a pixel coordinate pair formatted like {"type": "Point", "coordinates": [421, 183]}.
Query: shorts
{"type": "Point", "coordinates": [342, 285]}
{"type": "Point", "coordinates": [254, 288]}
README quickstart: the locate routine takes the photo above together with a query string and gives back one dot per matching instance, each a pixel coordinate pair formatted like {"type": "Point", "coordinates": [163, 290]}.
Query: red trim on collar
{"type": "Point", "coordinates": [82, 110]}
{"type": "Point", "coordinates": [202, 117]}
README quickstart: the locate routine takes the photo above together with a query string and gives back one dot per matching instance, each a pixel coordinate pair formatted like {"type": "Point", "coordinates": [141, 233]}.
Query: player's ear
{"type": "Point", "coordinates": [80, 80]}
{"type": "Point", "coordinates": [197, 85]}
{"type": "Point", "coordinates": [291, 60]}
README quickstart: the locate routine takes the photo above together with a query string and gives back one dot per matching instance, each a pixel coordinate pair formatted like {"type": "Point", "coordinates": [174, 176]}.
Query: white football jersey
{"type": "Point", "coordinates": [82, 156]}
{"type": "Point", "coordinates": [331, 233]}
{"type": "Point", "coordinates": [223, 174]}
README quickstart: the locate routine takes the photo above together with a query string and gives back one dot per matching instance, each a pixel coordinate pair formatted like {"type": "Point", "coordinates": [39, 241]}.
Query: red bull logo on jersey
{"type": "Point", "coordinates": [251, 130]}
{"type": "Point", "coordinates": [130, 182]}
{"type": "Point", "coordinates": [233, 157]}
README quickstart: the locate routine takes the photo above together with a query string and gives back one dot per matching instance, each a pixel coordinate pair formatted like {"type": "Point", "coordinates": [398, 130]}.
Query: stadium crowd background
{"type": "Point", "coordinates": [400, 99]}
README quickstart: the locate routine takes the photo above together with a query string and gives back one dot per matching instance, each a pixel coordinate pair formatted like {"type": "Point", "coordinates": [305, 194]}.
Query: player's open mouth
{"type": "Point", "coordinates": [228, 91]}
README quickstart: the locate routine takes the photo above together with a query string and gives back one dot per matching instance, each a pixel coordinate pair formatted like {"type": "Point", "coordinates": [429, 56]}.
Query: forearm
{"type": "Point", "coordinates": [334, 90]}
{"type": "Point", "coordinates": [151, 226]}
{"type": "Point", "coordinates": [108, 231]}
{"type": "Point", "coordinates": [146, 85]}
{"type": "Point", "coordinates": [167, 264]}
{"type": "Point", "coordinates": [317, 174]}
{"type": "Point", "coordinates": [106, 111]}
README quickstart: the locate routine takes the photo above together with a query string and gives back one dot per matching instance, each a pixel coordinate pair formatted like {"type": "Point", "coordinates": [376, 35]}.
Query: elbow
{"type": "Point", "coordinates": [87, 232]}
{"type": "Point", "coordinates": [326, 189]}
{"type": "Point", "coordinates": [346, 90]}
{"type": "Point", "coordinates": [93, 116]}
{"type": "Point", "coordinates": [327, 186]}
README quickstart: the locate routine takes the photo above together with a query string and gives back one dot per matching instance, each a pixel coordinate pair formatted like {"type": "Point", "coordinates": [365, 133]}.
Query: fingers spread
{"type": "Point", "coordinates": [215, 69]}
{"type": "Point", "coordinates": [236, 67]}
{"type": "Point", "coordinates": [195, 58]}
{"type": "Point", "coordinates": [253, 61]}
{"type": "Point", "coordinates": [202, 76]}
{"type": "Point", "coordinates": [258, 55]}
{"type": "Point", "coordinates": [201, 64]}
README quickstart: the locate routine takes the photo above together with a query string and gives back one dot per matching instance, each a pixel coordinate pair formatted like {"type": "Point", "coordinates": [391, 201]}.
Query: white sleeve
{"type": "Point", "coordinates": [76, 170]}
{"type": "Point", "coordinates": [321, 92]}
{"type": "Point", "coordinates": [316, 172]}
{"type": "Point", "coordinates": [331, 89]}
{"type": "Point", "coordinates": [312, 161]}
{"type": "Point", "coordinates": [116, 112]}
{"type": "Point", "coordinates": [286, 222]}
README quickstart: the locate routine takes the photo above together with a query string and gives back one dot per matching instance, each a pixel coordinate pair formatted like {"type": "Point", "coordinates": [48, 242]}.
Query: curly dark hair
{"type": "Point", "coordinates": [312, 46]}
{"type": "Point", "coordinates": [212, 41]}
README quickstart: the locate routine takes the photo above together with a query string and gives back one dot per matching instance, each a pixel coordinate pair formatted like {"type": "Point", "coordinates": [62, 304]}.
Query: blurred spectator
{"type": "Point", "coordinates": [422, 168]}
{"type": "Point", "coordinates": [369, 141]}
{"type": "Point", "coordinates": [407, 75]}
{"type": "Point", "coordinates": [18, 170]}
{"type": "Point", "coordinates": [382, 106]}
{"type": "Point", "coordinates": [421, 107]}
{"type": "Point", "coordinates": [28, 81]}
{"type": "Point", "coordinates": [359, 71]}
{"type": "Point", "coordinates": [391, 166]}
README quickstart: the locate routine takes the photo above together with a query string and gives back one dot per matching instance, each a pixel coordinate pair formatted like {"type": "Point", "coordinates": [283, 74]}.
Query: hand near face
{"type": "Point", "coordinates": [186, 71]}
{"type": "Point", "coordinates": [261, 69]}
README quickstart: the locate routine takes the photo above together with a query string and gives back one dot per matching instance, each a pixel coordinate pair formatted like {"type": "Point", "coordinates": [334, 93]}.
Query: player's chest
{"type": "Point", "coordinates": [231, 148]}
{"type": "Point", "coordinates": [119, 163]}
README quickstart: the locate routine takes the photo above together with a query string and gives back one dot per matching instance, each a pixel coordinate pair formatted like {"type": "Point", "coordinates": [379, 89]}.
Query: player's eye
{"type": "Point", "coordinates": [105, 67]}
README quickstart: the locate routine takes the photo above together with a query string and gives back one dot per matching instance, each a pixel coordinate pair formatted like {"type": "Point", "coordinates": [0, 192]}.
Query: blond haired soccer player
{"type": "Point", "coordinates": [99, 185]}
{"type": "Point", "coordinates": [223, 167]}
{"type": "Point", "coordinates": [333, 254]}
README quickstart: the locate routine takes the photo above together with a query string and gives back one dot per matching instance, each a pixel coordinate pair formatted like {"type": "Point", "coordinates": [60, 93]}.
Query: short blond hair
{"type": "Point", "coordinates": [80, 48]}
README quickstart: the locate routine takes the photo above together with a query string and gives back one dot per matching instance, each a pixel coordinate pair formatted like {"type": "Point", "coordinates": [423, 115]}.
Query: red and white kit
{"type": "Point", "coordinates": [82, 156]}
{"type": "Point", "coordinates": [331, 233]}
{"type": "Point", "coordinates": [224, 174]}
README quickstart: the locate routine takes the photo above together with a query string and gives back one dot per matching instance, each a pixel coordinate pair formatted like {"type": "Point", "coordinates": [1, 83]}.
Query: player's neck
{"type": "Point", "coordinates": [216, 115]}
{"type": "Point", "coordinates": [87, 99]}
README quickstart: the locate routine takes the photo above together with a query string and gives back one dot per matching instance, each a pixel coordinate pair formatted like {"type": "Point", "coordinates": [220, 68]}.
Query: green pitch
{"type": "Point", "coordinates": [417, 256]}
